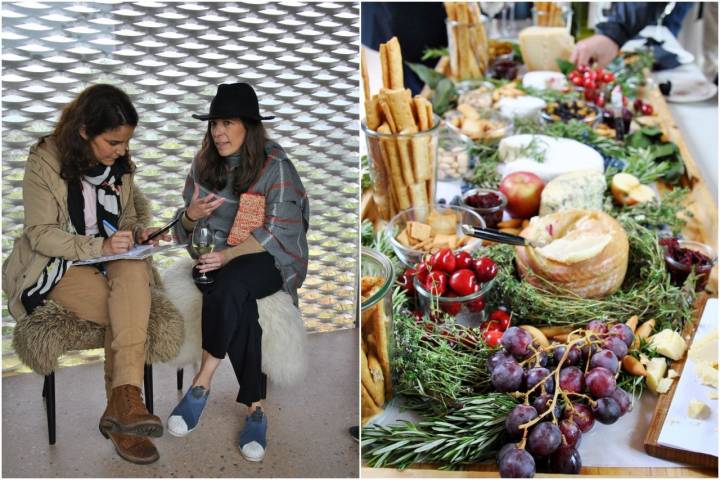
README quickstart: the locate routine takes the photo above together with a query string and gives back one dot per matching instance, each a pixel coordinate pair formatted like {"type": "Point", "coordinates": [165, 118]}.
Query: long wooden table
{"type": "Point", "coordinates": [702, 227]}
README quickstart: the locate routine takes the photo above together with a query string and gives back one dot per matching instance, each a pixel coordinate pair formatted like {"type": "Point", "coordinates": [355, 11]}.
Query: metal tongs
{"type": "Point", "coordinates": [497, 236]}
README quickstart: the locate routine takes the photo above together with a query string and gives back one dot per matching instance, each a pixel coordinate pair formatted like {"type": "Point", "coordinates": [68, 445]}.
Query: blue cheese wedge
{"type": "Point", "coordinates": [582, 189]}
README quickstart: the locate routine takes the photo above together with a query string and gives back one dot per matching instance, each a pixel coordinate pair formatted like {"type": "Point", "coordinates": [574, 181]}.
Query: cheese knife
{"type": "Point", "coordinates": [497, 236]}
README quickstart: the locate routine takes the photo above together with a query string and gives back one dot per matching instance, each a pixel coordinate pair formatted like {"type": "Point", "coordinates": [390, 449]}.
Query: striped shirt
{"type": "Point", "coordinates": [287, 216]}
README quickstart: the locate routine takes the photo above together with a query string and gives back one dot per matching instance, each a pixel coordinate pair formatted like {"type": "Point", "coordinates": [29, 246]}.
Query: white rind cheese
{"type": "Point", "coordinates": [541, 46]}
{"type": "Point", "coordinates": [544, 80]}
{"type": "Point", "coordinates": [520, 107]}
{"type": "Point", "coordinates": [520, 153]}
{"type": "Point", "coordinates": [582, 189]}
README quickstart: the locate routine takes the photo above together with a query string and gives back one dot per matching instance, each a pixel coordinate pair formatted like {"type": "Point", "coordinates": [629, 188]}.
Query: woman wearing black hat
{"type": "Point", "coordinates": [244, 186]}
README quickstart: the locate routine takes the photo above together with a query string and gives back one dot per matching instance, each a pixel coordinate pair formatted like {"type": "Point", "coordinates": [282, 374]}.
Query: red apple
{"type": "Point", "coordinates": [522, 190]}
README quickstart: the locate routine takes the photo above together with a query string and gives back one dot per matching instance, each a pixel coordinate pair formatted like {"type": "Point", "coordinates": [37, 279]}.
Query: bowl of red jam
{"type": "Point", "coordinates": [682, 256]}
{"type": "Point", "coordinates": [489, 204]}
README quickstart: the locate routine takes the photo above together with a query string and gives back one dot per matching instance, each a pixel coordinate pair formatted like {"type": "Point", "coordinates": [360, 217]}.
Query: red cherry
{"type": "Point", "coordinates": [407, 279]}
{"type": "Point", "coordinates": [451, 308]}
{"type": "Point", "coordinates": [463, 260]}
{"type": "Point", "coordinates": [578, 81]}
{"type": "Point", "coordinates": [608, 77]}
{"type": "Point", "coordinates": [646, 109]}
{"type": "Point", "coordinates": [477, 305]}
{"type": "Point", "coordinates": [492, 337]}
{"type": "Point", "coordinates": [590, 83]}
{"type": "Point", "coordinates": [489, 325]}
{"type": "Point", "coordinates": [444, 260]}
{"type": "Point", "coordinates": [583, 68]}
{"type": "Point", "coordinates": [436, 282]}
{"type": "Point", "coordinates": [501, 317]}
{"type": "Point", "coordinates": [600, 101]}
{"type": "Point", "coordinates": [421, 272]}
{"type": "Point", "coordinates": [463, 282]}
{"type": "Point", "coordinates": [637, 104]}
{"type": "Point", "coordinates": [485, 269]}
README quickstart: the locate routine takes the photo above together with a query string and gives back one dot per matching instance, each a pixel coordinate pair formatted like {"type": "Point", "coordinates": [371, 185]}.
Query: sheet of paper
{"type": "Point", "coordinates": [138, 252]}
{"type": "Point", "coordinates": [679, 430]}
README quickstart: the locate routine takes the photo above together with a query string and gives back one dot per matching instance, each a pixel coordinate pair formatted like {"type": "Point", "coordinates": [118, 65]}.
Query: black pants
{"type": "Point", "coordinates": [230, 318]}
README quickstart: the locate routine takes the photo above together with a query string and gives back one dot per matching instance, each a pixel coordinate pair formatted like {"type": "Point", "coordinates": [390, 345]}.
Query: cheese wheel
{"type": "Point", "coordinates": [585, 271]}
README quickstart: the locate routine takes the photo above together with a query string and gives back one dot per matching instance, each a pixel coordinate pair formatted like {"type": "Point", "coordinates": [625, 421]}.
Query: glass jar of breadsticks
{"type": "Point", "coordinates": [377, 278]}
{"type": "Point", "coordinates": [552, 14]}
{"type": "Point", "coordinates": [467, 41]}
{"type": "Point", "coordinates": [402, 154]}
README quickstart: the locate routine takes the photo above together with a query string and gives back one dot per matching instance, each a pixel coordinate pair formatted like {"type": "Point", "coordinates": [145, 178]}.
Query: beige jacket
{"type": "Point", "coordinates": [47, 230]}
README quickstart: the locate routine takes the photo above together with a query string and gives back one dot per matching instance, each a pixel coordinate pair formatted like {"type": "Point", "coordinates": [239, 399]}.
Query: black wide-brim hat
{"type": "Point", "coordinates": [234, 100]}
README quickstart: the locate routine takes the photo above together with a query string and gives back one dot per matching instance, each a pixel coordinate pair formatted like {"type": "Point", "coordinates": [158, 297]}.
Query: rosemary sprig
{"type": "Point", "coordinates": [468, 434]}
{"type": "Point", "coordinates": [437, 362]}
{"type": "Point", "coordinates": [485, 174]}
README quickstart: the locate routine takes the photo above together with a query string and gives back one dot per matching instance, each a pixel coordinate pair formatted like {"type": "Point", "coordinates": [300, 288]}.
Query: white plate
{"type": "Point", "coordinates": [687, 88]}
{"type": "Point", "coordinates": [664, 35]}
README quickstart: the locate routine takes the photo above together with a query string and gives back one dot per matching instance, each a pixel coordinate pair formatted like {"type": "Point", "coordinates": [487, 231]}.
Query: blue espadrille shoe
{"type": "Point", "coordinates": [186, 415]}
{"type": "Point", "coordinates": [252, 439]}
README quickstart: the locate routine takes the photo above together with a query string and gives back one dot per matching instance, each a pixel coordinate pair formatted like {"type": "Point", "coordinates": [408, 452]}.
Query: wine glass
{"type": "Point", "coordinates": [203, 240]}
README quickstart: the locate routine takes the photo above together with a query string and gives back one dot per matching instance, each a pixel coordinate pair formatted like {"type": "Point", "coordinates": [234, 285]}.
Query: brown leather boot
{"type": "Point", "coordinates": [126, 413]}
{"type": "Point", "coordinates": [133, 448]}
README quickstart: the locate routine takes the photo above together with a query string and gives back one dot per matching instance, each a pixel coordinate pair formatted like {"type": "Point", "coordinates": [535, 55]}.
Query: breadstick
{"type": "Point", "coordinates": [389, 149]}
{"type": "Point", "coordinates": [429, 113]}
{"type": "Point", "coordinates": [384, 66]}
{"type": "Point", "coordinates": [399, 106]}
{"type": "Point", "coordinates": [403, 144]}
{"type": "Point", "coordinates": [418, 195]}
{"type": "Point", "coordinates": [394, 56]}
{"type": "Point", "coordinates": [364, 73]}
{"type": "Point", "coordinates": [373, 113]}
{"type": "Point", "coordinates": [421, 110]}
{"type": "Point", "coordinates": [388, 115]}
{"type": "Point", "coordinates": [381, 183]}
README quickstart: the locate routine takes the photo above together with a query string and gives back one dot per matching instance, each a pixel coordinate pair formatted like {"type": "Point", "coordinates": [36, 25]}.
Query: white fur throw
{"type": "Point", "coordinates": [283, 339]}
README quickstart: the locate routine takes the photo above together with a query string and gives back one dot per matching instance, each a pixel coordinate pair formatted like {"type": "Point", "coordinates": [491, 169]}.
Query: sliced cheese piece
{"type": "Point", "coordinates": [713, 394]}
{"type": "Point", "coordinates": [655, 371]}
{"type": "Point", "coordinates": [672, 374]}
{"type": "Point", "coordinates": [544, 80]}
{"type": "Point", "coordinates": [541, 46]}
{"type": "Point", "coordinates": [707, 373]}
{"type": "Point", "coordinates": [698, 409]}
{"type": "Point", "coordinates": [573, 250]}
{"type": "Point", "coordinates": [664, 385]}
{"type": "Point", "coordinates": [669, 343]}
{"type": "Point", "coordinates": [705, 348]}
{"type": "Point", "coordinates": [582, 189]}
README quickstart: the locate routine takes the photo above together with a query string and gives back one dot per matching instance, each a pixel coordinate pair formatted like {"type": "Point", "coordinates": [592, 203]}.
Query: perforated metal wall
{"type": "Point", "coordinates": [170, 57]}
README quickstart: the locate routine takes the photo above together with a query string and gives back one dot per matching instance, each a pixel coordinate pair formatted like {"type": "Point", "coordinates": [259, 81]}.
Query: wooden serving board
{"type": "Point", "coordinates": [490, 471]}
{"type": "Point", "coordinates": [652, 446]}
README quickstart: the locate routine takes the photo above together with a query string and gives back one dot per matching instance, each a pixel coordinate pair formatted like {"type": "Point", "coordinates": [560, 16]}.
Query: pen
{"type": "Point", "coordinates": [109, 228]}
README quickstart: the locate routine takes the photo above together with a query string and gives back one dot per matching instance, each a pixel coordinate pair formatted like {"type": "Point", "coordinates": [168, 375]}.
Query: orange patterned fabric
{"type": "Point", "coordinates": [250, 215]}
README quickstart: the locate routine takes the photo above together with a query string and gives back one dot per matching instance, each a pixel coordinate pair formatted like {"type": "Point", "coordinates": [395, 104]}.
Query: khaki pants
{"type": "Point", "coordinates": [120, 302]}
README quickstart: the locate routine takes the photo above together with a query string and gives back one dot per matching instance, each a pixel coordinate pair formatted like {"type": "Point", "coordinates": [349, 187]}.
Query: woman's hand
{"type": "Point", "coordinates": [119, 242]}
{"type": "Point", "coordinates": [600, 48]}
{"type": "Point", "coordinates": [144, 234]}
{"type": "Point", "coordinates": [200, 208]}
{"type": "Point", "coordinates": [211, 261]}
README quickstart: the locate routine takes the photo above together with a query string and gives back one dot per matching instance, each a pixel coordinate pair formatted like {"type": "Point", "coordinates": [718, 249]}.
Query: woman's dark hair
{"type": "Point", "coordinates": [97, 109]}
{"type": "Point", "coordinates": [212, 170]}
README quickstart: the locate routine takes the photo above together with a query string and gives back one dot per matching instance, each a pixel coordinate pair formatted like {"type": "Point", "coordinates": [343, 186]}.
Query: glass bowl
{"type": "Point", "coordinates": [454, 159]}
{"type": "Point", "coordinates": [591, 119]}
{"type": "Point", "coordinates": [468, 311]}
{"type": "Point", "coordinates": [680, 271]}
{"type": "Point", "coordinates": [491, 215]}
{"type": "Point", "coordinates": [486, 125]}
{"type": "Point", "coordinates": [410, 256]}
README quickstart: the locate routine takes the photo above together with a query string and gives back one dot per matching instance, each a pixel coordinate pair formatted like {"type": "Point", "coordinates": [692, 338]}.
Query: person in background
{"type": "Point", "coordinates": [625, 20]}
{"type": "Point", "coordinates": [78, 197]}
{"type": "Point", "coordinates": [241, 175]}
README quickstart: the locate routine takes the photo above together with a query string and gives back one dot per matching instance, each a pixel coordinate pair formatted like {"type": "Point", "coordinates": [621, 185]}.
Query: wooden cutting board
{"type": "Point", "coordinates": [652, 447]}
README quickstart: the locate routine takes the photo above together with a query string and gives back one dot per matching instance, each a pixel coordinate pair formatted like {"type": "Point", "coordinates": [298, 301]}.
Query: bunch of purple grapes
{"type": "Point", "coordinates": [545, 430]}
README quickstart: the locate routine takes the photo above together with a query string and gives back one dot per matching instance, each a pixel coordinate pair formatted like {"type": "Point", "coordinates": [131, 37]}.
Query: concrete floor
{"type": "Point", "coordinates": [307, 434]}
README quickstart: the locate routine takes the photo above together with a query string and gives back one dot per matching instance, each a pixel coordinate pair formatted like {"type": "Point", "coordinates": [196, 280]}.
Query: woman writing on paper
{"type": "Point", "coordinates": [77, 190]}
{"type": "Point", "coordinates": [246, 188]}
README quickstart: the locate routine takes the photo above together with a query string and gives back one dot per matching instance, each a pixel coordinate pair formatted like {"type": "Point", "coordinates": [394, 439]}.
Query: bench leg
{"type": "Point", "coordinates": [179, 378]}
{"type": "Point", "coordinates": [148, 388]}
{"type": "Point", "coordinates": [49, 395]}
